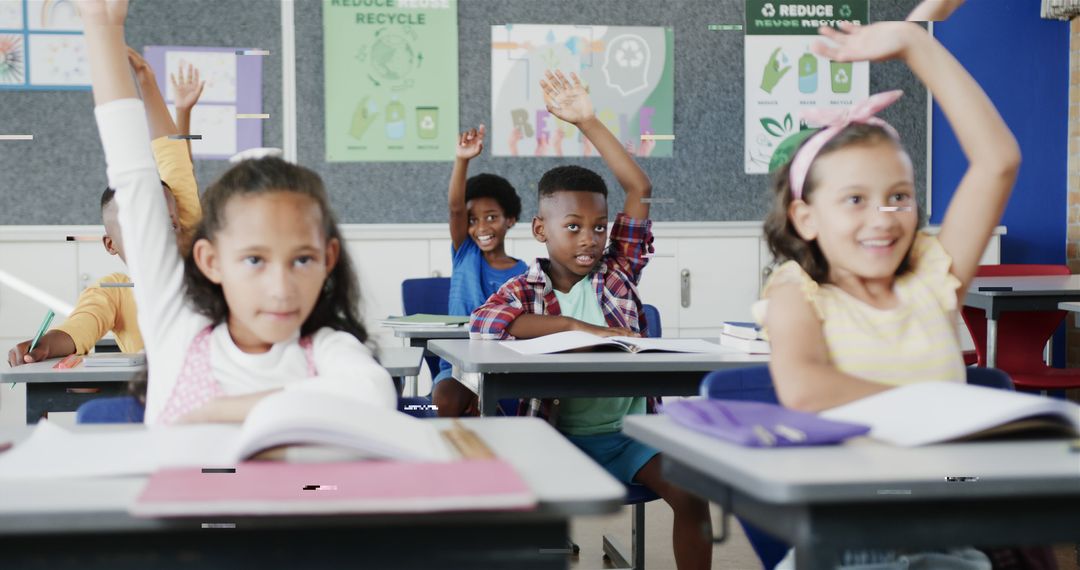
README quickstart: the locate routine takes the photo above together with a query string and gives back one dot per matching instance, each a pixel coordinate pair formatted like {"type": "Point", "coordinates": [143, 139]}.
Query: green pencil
{"type": "Point", "coordinates": [41, 332]}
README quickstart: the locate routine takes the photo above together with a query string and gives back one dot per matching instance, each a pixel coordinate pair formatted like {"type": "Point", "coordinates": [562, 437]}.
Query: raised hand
{"type": "Point", "coordinates": [471, 143]}
{"type": "Point", "coordinates": [515, 137]}
{"type": "Point", "coordinates": [143, 71]}
{"type": "Point", "coordinates": [188, 87]}
{"type": "Point", "coordinates": [875, 42]}
{"type": "Point", "coordinates": [566, 99]}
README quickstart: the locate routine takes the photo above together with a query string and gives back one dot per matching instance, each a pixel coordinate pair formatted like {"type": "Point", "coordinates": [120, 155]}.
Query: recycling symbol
{"type": "Point", "coordinates": [629, 54]}
{"type": "Point", "coordinates": [427, 123]}
{"type": "Point", "coordinates": [845, 11]}
{"type": "Point", "coordinates": [841, 76]}
{"type": "Point", "coordinates": [768, 10]}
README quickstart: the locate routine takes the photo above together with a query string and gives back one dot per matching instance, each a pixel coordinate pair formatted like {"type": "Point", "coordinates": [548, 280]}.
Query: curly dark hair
{"type": "Point", "coordinates": [571, 178]}
{"type": "Point", "coordinates": [338, 304]}
{"type": "Point", "coordinates": [497, 188]}
{"type": "Point", "coordinates": [784, 242]}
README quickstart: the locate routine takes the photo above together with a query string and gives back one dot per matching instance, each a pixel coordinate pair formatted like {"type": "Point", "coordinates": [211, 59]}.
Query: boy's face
{"type": "Point", "coordinates": [573, 225]}
{"type": "Point", "coordinates": [488, 223]}
{"type": "Point", "coordinates": [271, 259]}
{"type": "Point", "coordinates": [114, 241]}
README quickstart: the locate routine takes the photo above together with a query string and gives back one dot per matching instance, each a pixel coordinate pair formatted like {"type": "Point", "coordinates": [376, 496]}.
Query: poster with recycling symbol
{"type": "Point", "coordinates": [628, 70]}
{"type": "Point", "coordinates": [782, 76]}
{"type": "Point", "coordinates": [391, 73]}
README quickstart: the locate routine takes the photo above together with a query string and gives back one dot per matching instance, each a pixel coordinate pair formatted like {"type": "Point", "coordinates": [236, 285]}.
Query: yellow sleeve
{"type": "Point", "coordinates": [175, 168]}
{"type": "Point", "coordinates": [95, 313]}
{"type": "Point", "coordinates": [787, 272]}
{"type": "Point", "coordinates": [932, 264]}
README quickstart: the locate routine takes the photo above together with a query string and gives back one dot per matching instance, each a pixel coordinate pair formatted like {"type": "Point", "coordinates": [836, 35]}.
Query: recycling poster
{"type": "Point", "coordinates": [391, 73]}
{"type": "Point", "coordinates": [782, 75]}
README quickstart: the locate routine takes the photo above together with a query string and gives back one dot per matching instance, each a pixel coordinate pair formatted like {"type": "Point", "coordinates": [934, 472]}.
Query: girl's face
{"type": "Point", "coordinates": [271, 259]}
{"type": "Point", "coordinates": [862, 211]}
{"type": "Point", "coordinates": [487, 223]}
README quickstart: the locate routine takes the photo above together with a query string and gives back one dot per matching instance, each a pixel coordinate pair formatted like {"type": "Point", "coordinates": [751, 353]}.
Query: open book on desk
{"type": "Point", "coordinates": [426, 321]}
{"type": "Point", "coordinates": [573, 340]}
{"type": "Point", "coordinates": [315, 426]}
{"type": "Point", "coordinates": [935, 412]}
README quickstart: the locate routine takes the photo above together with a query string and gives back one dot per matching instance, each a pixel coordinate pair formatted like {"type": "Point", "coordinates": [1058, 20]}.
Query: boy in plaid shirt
{"type": "Point", "coordinates": [582, 287]}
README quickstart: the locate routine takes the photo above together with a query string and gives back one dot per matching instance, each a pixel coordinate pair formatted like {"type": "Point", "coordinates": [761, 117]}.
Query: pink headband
{"type": "Point", "coordinates": [835, 120]}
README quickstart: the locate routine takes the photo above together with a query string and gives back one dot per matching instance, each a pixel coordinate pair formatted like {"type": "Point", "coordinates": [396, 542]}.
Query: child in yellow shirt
{"type": "Point", "coordinates": [103, 309]}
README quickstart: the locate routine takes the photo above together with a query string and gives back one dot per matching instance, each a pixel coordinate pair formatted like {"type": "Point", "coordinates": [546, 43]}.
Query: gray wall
{"type": "Point", "coordinates": [56, 178]}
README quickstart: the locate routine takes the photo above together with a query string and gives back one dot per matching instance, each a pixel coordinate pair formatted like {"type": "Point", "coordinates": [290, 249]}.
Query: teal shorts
{"type": "Point", "coordinates": [620, 455]}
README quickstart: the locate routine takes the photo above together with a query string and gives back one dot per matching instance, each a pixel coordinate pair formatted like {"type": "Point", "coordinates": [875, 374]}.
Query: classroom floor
{"type": "Point", "coordinates": [588, 532]}
{"type": "Point", "coordinates": [735, 554]}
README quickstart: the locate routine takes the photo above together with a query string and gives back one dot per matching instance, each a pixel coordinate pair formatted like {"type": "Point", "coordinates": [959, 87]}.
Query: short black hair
{"type": "Point", "coordinates": [571, 179]}
{"type": "Point", "coordinates": [495, 187]}
{"type": "Point", "coordinates": [110, 193]}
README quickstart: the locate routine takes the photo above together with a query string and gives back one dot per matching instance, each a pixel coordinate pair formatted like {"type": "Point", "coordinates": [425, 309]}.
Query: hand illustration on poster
{"type": "Point", "coordinates": [628, 71]}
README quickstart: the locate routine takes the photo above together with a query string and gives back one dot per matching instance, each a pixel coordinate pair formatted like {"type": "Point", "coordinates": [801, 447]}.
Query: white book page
{"type": "Point", "coordinates": [557, 342]}
{"type": "Point", "coordinates": [309, 417]}
{"type": "Point", "coordinates": [929, 412]}
{"type": "Point", "coordinates": [54, 452]}
{"type": "Point", "coordinates": [695, 345]}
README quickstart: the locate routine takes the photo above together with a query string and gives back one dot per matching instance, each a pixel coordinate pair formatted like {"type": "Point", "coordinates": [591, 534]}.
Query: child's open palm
{"type": "Point", "coordinates": [471, 143]}
{"type": "Point", "coordinates": [188, 87]}
{"type": "Point", "coordinates": [876, 42]}
{"type": "Point", "coordinates": [567, 101]}
{"type": "Point", "coordinates": [103, 12]}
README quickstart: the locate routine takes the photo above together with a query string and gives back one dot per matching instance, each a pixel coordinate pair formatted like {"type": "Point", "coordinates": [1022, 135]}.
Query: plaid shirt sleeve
{"type": "Point", "coordinates": [631, 242]}
{"type": "Point", "coordinates": [490, 320]}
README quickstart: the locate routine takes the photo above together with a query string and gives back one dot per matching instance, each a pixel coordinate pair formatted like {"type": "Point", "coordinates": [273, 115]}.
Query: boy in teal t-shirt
{"type": "Point", "coordinates": [584, 286]}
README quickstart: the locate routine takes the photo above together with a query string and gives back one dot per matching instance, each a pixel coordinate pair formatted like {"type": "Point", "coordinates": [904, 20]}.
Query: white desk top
{"type": "Point", "coordinates": [1073, 307]}
{"type": "Point", "coordinates": [863, 469]}
{"type": "Point", "coordinates": [1024, 286]}
{"type": "Point", "coordinates": [431, 332]}
{"type": "Point", "coordinates": [399, 361]}
{"type": "Point", "coordinates": [565, 481]}
{"type": "Point", "coordinates": [486, 356]}
{"type": "Point", "coordinates": [44, 372]}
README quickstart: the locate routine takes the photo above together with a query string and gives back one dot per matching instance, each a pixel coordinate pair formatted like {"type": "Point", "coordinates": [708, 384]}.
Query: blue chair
{"type": "Point", "coordinates": [754, 384]}
{"type": "Point", "coordinates": [636, 495]}
{"type": "Point", "coordinates": [117, 410]}
{"type": "Point", "coordinates": [429, 295]}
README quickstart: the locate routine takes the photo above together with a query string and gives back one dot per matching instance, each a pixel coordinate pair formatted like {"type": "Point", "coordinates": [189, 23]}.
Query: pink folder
{"type": "Point", "coordinates": [270, 488]}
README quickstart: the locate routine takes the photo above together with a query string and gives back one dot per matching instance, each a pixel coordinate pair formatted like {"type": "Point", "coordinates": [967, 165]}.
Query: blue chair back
{"type": "Point", "coordinates": [117, 410]}
{"type": "Point", "coordinates": [429, 295]}
{"type": "Point", "coordinates": [989, 377]}
{"type": "Point", "coordinates": [652, 322]}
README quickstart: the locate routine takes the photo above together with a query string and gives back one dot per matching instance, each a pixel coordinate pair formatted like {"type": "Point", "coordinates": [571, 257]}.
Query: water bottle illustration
{"type": "Point", "coordinates": [840, 72]}
{"type": "Point", "coordinates": [395, 120]}
{"type": "Point", "coordinates": [808, 78]}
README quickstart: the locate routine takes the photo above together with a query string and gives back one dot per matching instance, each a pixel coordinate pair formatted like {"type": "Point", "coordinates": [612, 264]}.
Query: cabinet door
{"type": "Point", "coordinates": [381, 266]}
{"type": "Point", "coordinates": [44, 266]}
{"type": "Point", "coordinates": [659, 284]}
{"type": "Point", "coordinates": [718, 279]}
{"type": "Point", "coordinates": [94, 262]}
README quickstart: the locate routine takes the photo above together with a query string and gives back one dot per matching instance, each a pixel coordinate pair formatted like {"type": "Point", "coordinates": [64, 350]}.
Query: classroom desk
{"type": "Point", "coordinates": [419, 337]}
{"type": "Point", "coordinates": [84, 522]}
{"type": "Point", "coordinates": [1037, 293]}
{"type": "Point", "coordinates": [493, 372]}
{"type": "Point", "coordinates": [51, 390]}
{"type": "Point", "coordinates": [866, 494]}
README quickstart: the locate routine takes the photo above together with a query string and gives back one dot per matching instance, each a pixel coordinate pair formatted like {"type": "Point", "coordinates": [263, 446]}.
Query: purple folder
{"type": "Point", "coordinates": [757, 424]}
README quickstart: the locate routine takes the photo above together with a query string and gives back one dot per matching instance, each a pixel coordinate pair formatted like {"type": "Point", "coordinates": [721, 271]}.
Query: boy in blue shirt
{"type": "Point", "coordinates": [589, 283]}
{"type": "Point", "coordinates": [482, 209]}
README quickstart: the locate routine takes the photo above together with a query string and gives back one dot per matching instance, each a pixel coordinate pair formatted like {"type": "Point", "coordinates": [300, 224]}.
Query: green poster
{"type": "Point", "coordinates": [391, 69]}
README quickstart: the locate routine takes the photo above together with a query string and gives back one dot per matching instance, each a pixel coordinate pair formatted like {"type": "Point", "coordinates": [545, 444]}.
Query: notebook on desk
{"type": "Point", "coordinates": [271, 488]}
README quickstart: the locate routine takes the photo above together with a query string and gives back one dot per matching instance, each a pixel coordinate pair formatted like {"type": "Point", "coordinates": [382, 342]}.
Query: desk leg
{"type": "Point", "coordinates": [991, 342]}
{"type": "Point", "coordinates": [489, 402]}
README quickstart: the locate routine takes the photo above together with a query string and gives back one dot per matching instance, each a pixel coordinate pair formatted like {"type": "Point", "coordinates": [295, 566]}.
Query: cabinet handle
{"type": "Point", "coordinates": [685, 279]}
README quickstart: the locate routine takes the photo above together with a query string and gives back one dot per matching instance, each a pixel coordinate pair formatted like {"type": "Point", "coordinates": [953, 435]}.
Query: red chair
{"type": "Point", "coordinates": [1022, 335]}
